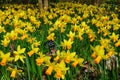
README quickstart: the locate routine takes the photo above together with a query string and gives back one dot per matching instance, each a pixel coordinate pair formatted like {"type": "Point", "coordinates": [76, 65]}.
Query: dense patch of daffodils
{"type": "Point", "coordinates": [77, 30]}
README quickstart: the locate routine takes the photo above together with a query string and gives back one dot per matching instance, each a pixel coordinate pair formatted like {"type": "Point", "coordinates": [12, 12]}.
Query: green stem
{"type": "Point", "coordinates": [48, 78]}
{"type": "Point", "coordinates": [28, 67]}
{"type": "Point", "coordinates": [32, 60]}
{"type": "Point", "coordinates": [103, 75]}
{"type": "Point", "coordinates": [40, 71]}
{"type": "Point", "coordinates": [4, 73]}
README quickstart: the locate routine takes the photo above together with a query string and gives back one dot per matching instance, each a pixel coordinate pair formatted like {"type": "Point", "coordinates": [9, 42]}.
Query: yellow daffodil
{"type": "Point", "coordinates": [36, 43]}
{"type": "Point", "coordinates": [114, 37]}
{"type": "Point", "coordinates": [15, 22]}
{"type": "Point", "coordinates": [65, 18]}
{"type": "Point", "coordinates": [98, 59]}
{"type": "Point", "coordinates": [39, 61]}
{"type": "Point", "coordinates": [58, 53]}
{"type": "Point", "coordinates": [29, 27]}
{"type": "Point", "coordinates": [2, 29]}
{"type": "Point", "coordinates": [68, 56]}
{"type": "Point", "coordinates": [77, 61]}
{"type": "Point", "coordinates": [57, 24]}
{"type": "Point", "coordinates": [105, 31]}
{"type": "Point", "coordinates": [74, 21]}
{"type": "Point", "coordinates": [42, 58]}
{"type": "Point", "coordinates": [94, 55]}
{"type": "Point", "coordinates": [45, 19]}
{"type": "Point", "coordinates": [75, 27]}
{"type": "Point", "coordinates": [67, 44]}
{"type": "Point", "coordinates": [23, 33]}
{"type": "Point", "coordinates": [51, 30]}
{"type": "Point", "coordinates": [84, 25]}
{"type": "Point", "coordinates": [104, 42]}
{"type": "Point", "coordinates": [62, 26]}
{"type": "Point", "coordinates": [5, 42]}
{"type": "Point", "coordinates": [91, 34]}
{"type": "Point", "coordinates": [116, 27]}
{"type": "Point", "coordinates": [50, 68]}
{"type": "Point", "coordinates": [98, 53]}
{"type": "Point", "coordinates": [60, 69]}
{"type": "Point", "coordinates": [19, 54]}
{"type": "Point", "coordinates": [79, 18]}
{"type": "Point", "coordinates": [80, 33]}
{"type": "Point", "coordinates": [14, 72]}
{"type": "Point", "coordinates": [31, 39]}
{"type": "Point", "coordinates": [59, 75]}
{"type": "Point", "coordinates": [110, 52]}
{"type": "Point", "coordinates": [117, 43]}
{"type": "Point", "coordinates": [5, 58]}
{"type": "Point", "coordinates": [94, 21]}
{"type": "Point", "coordinates": [24, 36]}
{"type": "Point", "coordinates": [51, 36]}
{"type": "Point", "coordinates": [74, 64]}
{"type": "Point", "coordinates": [71, 35]}
{"type": "Point", "coordinates": [50, 16]}
{"type": "Point", "coordinates": [32, 19]}
{"type": "Point", "coordinates": [34, 50]}
{"type": "Point", "coordinates": [85, 15]}
{"type": "Point", "coordinates": [13, 35]}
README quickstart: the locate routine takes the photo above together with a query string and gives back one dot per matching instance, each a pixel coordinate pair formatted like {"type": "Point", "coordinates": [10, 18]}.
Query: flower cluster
{"type": "Point", "coordinates": [77, 30]}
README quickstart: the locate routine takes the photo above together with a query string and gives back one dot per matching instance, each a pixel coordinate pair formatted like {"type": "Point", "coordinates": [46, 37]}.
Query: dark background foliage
{"type": "Point", "coordinates": [81, 1]}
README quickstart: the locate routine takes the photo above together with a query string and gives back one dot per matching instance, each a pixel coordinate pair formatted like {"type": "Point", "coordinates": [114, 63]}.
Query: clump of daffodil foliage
{"type": "Point", "coordinates": [84, 36]}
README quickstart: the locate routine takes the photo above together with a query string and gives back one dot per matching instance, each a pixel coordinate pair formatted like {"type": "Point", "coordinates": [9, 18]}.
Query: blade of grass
{"type": "Point", "coordinates": [28, 67]}
{"type": "Point", "coordinates": [40, 71]}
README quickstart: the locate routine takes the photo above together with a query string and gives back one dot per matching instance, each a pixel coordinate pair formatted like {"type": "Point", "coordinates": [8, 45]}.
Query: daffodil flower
{"type": "Point", "coordinates": [110, 52]}
{"type": "Point", "coordinates": [36, 43]}
{"type": "Point", "coordinates": [14, 72]}
{"type": "Point", "coordinates": [39, 61]}
{"type": "Point", "coordinates": [50, 68]}
{"type": "Point", "coordinates": [114, 37]}
{"type": "Point", "coordinates": [19, 54]}
{"type": "Point", "coordinates": [75, 27]}
{"type": "Point", "coordinates": [5, 42]}
{"type": "Point", "coordinates": [80, 33]}
{"type": "Point", "coordinates": [74, 21]}
{"type": "Point", "coordinates": [24, 36]}
{"type": "Point", "coordinates": [34, 50]}
{"type": "Point", "coordinates": [51, 36]}
{"type": "Point", "coordinates": [13, 35]}
{"type": "Point", "coordinates": [67, 56]}
{"type": "Point", "coordinates": [84, 25]}
{"type": "Point", "coordinates": [57, 56]}
{"type": "Point", "coordinates": [67, 44]}
{"type": "Point", "coordinates": [104, 42]}
{"type": "Point", "coordinates": [91, 34]}
{"type": "Point", "coordinates": [98, 59]}
{"type": "Point", "coordinates": [77, 61]}
{"type": "Point", "coordinates": [42, 58]}
{"type": "Point", "coordinates": [71, 35]}
{"type": "Point", "coordinates": [2, 29]}
{"type": "Point", "coordinates": [98, 54]}
{"type": "Point", "coordinates": [50, 30]}
{"type": "Point", "coordinates": [29, 27]}
{"type": "Point", "coordinates": [117, 43]}
{"type": "Point", "coordinates": [5, 58]}
{"type": "Point", "coordinates": [60, 69]}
